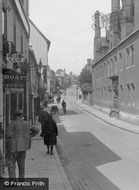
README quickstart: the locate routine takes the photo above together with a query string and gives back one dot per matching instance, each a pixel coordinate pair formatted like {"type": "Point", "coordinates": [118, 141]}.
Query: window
{"type": "Point", "coordinates": [115, 63]}
{"type": "Point", "coordinates": [4, 22]}
{"type": "Point", "coordinates": [105, 71]}
{"type": "Point", "coordinates": [4, 35]}
{"type": "Point", "coordinates": [120, 61]}
{"type": "Point", "coordinates": [105, 92]}
{"type": "Point", "coordinates": [101, 70]}
{"type": "Point", "coordinates": [121, 90]}
{"type": "Point", "coordinates": [108, 67]}
{"type": "Point", "coordinates": [127, 57]}
{"type": "Point", "coordinates": [132, 55]}
{"type": "Point", "coordinates": [133, 94]}
{"type": "Point", "coordinates": [13, 105]}
{"type": "Point", "coordinates": [21, 42]}
{"type": "Point", "coordinates": [111, 66]}
{"type": "Point", "coordinates": [102, 94]}
{"type": "Point", "coordinates": [14, 30]}
{"type": "Point", "coordinates": [128, 93]}
{"type": "Point", "coordinates": [20, 101]}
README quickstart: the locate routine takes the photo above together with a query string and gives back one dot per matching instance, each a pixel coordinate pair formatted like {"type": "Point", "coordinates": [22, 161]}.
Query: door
{"type": "Point", "coordinates": [13, 100]}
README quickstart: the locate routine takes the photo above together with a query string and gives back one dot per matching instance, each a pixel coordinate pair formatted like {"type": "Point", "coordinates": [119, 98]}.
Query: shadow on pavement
{"type": "Point", "coordinates": [80, 153]}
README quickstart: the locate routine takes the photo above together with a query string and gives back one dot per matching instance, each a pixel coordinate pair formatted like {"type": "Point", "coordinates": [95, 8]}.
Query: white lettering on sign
{"type": "Point", "coordinates": [14, 77]}
{"type": "Point", "coordinates": [14, 85]}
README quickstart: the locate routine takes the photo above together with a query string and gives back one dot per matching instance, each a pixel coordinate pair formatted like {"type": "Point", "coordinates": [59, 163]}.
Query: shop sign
{"type": "Point", "coordinates": [14, 80]}
{"type": "Point", "coordinates": [15, 58]}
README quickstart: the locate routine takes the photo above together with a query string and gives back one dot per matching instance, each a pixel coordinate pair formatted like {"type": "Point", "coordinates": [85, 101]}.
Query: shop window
{"type": "Point", "coordinates": [20, 101]}
{"type": "Point", "coordinates": [13, 104]}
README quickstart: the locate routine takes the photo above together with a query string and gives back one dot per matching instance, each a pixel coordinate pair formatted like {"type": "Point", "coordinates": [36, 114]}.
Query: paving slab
{"type": "Point", "coordinates": [41, 165]}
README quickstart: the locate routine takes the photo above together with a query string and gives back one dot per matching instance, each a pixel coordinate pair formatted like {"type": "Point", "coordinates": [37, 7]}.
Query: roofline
{"type": "Point", "coordinates": [117, 46]}
{"type": "Point", "coordinates": [47, 41]}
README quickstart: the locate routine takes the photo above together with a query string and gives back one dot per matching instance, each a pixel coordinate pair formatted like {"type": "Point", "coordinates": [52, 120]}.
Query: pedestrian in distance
{"type": "Point", "coordinates": [49, 134]}
{"type": "Point", "coordinates": [80, 96]}
{"type": "Point", "coordinates": [58, 99]}
{"type": "Point", "coordinates": [64, 106]}
{"type": "Point", "coordinates": [18, 136]}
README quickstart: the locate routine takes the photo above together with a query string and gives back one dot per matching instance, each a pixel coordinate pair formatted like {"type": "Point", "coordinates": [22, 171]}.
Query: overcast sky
{"type": "Point", "coordinates": [67, 24]}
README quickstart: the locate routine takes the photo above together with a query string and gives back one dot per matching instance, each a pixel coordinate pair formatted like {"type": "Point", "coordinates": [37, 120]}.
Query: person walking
{"type": "Point", "coordinates": [44, 116]}
{"type": "Point", "coordinates": [18, 136]}
{"type": "Point", "coordinates": [64, 106]}
{"type": "Point", "coordinates": [58, 99]}
{"type": "Point", "coordinates": [49, 133]}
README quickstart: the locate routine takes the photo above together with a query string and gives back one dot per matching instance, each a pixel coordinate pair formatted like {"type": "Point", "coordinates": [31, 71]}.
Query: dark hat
{"type": "Point", "coordinates": [18, 112]}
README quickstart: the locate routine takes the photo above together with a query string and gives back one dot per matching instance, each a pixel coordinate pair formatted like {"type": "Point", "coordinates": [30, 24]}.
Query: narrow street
{"type": "Point", "coordinates": [94, 154]}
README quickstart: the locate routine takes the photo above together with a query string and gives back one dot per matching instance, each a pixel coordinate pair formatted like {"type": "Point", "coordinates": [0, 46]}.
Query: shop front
{"type": "Point", "coordinates": [14, 96]}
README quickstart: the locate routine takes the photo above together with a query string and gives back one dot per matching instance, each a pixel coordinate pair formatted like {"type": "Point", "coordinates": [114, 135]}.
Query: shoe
{"type": "Point", "coordinates": [47, 152]}
{"type": "Point", "coordinates": [52, 153]}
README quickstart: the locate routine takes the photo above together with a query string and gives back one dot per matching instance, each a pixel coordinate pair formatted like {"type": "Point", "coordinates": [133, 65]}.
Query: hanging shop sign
{"type": "Point", "coordinates": [15, 58]}
{"type": "Point", "coordinates": [14, 80]}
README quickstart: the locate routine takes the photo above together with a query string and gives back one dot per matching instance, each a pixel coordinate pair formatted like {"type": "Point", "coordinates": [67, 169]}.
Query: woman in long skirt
{"type": "Point", "coordinates": [50, 132]}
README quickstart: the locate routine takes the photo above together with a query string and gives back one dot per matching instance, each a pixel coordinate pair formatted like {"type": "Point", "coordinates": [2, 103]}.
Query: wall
{"type": "Point", "coordinates": [39, 45]}
{"type": "Point", "coordinates": [126, 67]}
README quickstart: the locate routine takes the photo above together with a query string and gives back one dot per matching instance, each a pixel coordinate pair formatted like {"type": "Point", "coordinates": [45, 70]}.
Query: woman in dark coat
{"type": "Point", "coordinates": [49, 131]}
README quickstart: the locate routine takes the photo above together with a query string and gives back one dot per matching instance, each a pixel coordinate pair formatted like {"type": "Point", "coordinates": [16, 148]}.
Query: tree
{"type": "Point", "coordinates": [86, 88]}
{"type": "Point", "coordinates": [85, 80]}
{"type": "Point", "coordinates": [85, 76]}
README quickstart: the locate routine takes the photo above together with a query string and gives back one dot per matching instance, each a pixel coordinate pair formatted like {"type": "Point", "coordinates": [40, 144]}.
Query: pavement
{"type": "Point", "coordinates": [106, 118]}
{"type": "Point", "coordinates": [41, 165]}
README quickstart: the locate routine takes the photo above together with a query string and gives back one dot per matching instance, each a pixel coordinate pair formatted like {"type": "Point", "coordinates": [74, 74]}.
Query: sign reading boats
{"type": "Point", "coordinates": [14, 80]}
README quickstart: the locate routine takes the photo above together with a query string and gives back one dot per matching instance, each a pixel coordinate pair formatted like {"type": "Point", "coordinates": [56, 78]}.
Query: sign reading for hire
{"type": "Point", "coordinates": [14, 80]}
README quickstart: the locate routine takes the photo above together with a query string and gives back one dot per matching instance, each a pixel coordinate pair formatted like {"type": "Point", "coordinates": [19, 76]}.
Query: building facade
{"type": "Point", "coordinates": [41, 47]}
{"type": "Point", "coordinates": [14, 39]}
{"type": "Point", "coordinates": [61, 76]}
{"type": "Point", "coordinates": [52, 81]}
{"type": "Point", "coordinates": [115, 69]}
{"type": "Point", "coordinates": [34, 88]}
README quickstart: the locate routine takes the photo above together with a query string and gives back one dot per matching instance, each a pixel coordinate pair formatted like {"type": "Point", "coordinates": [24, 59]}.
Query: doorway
{"type": "Point", "coordinates": [13, 100]}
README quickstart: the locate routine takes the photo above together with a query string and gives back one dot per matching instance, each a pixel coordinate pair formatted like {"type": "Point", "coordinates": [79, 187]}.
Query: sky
{"type": "Point", "coordinates": [68, 25]}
